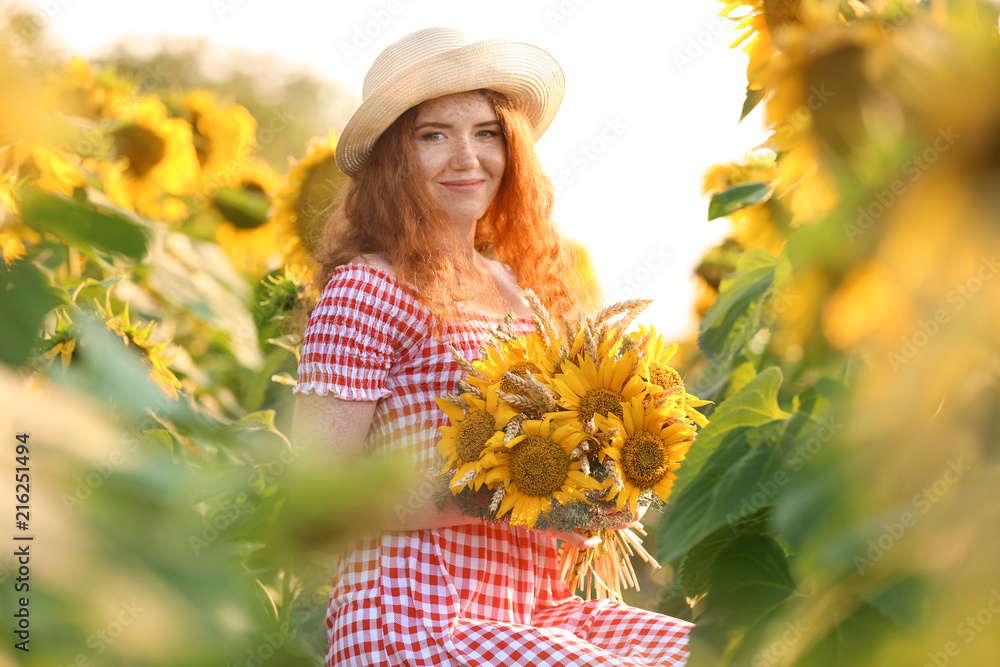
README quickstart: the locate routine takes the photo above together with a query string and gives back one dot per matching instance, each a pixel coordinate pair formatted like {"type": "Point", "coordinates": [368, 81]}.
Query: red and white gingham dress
{"type": "Point", "coordinates": [471, 595]}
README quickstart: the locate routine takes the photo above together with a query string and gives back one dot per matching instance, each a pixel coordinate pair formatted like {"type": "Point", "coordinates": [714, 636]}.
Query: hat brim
{"type": "Point", "coordinates": [523, 72]}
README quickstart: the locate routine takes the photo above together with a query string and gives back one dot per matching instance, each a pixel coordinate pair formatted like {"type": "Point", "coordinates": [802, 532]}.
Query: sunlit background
{"type": "Point", "coordinates": [652, 99]}
{"type": "Point", "coordinates": [839, 311]}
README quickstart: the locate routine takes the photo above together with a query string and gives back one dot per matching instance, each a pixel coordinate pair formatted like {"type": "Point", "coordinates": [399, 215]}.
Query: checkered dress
{"type": "Point", "coordinates": [471, 595]}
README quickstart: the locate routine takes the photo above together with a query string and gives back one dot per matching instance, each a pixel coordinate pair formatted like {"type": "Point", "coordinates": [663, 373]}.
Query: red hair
{"type": "Point", "coordinates": [386, 209]}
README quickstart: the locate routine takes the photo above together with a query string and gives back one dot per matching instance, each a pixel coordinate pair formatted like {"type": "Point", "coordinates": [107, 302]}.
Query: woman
{"type": "Point", "coordinates": [447, 216]}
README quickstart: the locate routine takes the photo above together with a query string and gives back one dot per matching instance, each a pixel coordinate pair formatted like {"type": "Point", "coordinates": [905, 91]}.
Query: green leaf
{"type": "Point", "coordinates": [257, 419]}
{"type": "Point", "coordinates": [25, 299]}
{"type": "Point", "coordinates": [753, 98]}
{"type": "Point", "coordinates": [196, 277]}
{"type": "Point", "coordinates": [84, 225]}
{"type": "Point", "coordinates": [740, 579]}
{"type": "Point", "coordinates": [746, 473]}
{"type": "Point", "coordinates": [696, 568]}
{"type": "Point", "coordinates": [736, 197]}
{"type": "Point", "coordinates": [243, 208]}
{"type": "Point", "coordinates": [737, 313]}
{"type": "Point", "coordinates": [750, 578]}
{"type": "Point", "coordinates": [903, 602]}
{"type": "Point", "coordinates": [754, 404]}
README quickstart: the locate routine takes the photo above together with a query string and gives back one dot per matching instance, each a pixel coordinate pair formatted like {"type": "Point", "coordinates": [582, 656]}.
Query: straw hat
{"type": "Point", "coordinates": [433, 62]}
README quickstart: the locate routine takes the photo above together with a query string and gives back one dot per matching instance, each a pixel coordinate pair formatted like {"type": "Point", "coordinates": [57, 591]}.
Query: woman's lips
{"type": "Point", "coordinates": [462, 186]}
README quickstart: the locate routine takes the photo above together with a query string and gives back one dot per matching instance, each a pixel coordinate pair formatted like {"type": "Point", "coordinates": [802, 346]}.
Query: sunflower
{"type": "Point", "coordinates": [586, 389]}
{"type": "Point", "coordinates": [26, 163]}
{"type": "Point", "coordinates": [647, 449]}
{"type": "Point", "coordinates": [301, 206]}
{"type": "Point", "coordinates": [78, 92]}
{"type": "Point", "coordinates": [224, 139]}
{"type": "Point", "coordinates": [245, 232]}
{"type": "Point", "coordinates": [156, 160]}
{"type": "Point", "coordinates": [49, 169]}
{"type": "Point", "coordinates": [522, 355]}
{"type": "Point", "coordinates": [758, 25]}
{"type": "Point", "coordinates": [467, 442]}
{"type": "Point", "coordinates": [655, 369]}
{"type": "Point", "coordinates": [537, 467]}
{"type": "Point", "coordinates": [75, 92]}
{"type": "Point", "coordinates": [152, 353]}
{"type": "Point", "coordinates": [61, 343]}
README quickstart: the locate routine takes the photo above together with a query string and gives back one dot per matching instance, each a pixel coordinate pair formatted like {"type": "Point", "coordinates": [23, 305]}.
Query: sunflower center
{"type": "Point", "coordinates": [472, 433]}
{"type": "Point", "coordinates": [664, 376]}
{"type": "Point", "coordinates": [143, 148]}
{"type": "Point", "coordinates": [538, 466]}
{"type": "Point", "coordinates": [644, 461]}
{"type": "Point", "coordinates": [600, 401]}
{"type": "Point", "coordinates": [779, 12]}
{"type": "Point", "coordinates": [520, 369]}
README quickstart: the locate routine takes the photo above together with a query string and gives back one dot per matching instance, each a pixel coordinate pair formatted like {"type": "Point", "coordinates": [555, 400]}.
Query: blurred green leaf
{"type": "Point", "coordinates": [740, 574]}
{"type": "Point", "coordinates": [745, 473]}
{"type": "Point", "coordinates": [754, 404]}
{"type": "Point", "coordinates": [243, 208]}
{"type": "Point", "coordinates": [737, 313]}
{"type": "Point", "coordinates": [736, 197]}
{"type": "Point", "coordinates": [196, 277]}
{"type": "Point", "coordinates": [257, 419]}
{"type": "Point", "coordinates": [753, 98]}
{"type": "Point", "coordinates": [24, 300]}
{"type": "Point", "coordinates": [84, 225]}
{"type": "Point", "coordinates": [903, 602]}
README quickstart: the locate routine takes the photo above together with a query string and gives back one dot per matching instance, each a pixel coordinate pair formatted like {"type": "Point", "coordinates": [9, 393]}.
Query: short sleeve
{"type": "Point", "coordinates": [361, 324]}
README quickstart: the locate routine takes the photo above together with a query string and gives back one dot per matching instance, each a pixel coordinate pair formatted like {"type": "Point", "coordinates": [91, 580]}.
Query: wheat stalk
{"type": "Point", "coordinates": [619, 308]}
{"type": "Point", "coordinates": [512, 427]}
{"type": "Point", "coordinates": [497, 498]}
{"type": "Point", "coordinates": [471, 370]}
{"type": "Point", "coordinates": [541, 318]}
{"type": "Point", "coordinates": [467, 388]}
{"type": "Point", "coordinates": [522, 403]}
{"type": "Point", "coordinates": [456, 400]}
{"type": "Point", "coordinates": [612, 469]}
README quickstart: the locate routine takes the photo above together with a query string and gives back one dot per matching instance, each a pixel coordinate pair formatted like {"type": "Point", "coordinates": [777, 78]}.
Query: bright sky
{"type": "Point", "coordinates": [653, 96]}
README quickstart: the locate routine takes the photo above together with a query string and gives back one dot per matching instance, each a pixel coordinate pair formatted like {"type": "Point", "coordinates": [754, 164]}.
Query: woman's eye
{"type": "Point", "coordinates": [489, 133]}
{"type": "Point", "coordinates": [432, 136]}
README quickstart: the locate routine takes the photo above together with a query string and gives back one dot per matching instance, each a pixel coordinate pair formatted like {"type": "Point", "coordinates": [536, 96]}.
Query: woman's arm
{"type": "Point", "coordinates": [334, 430]}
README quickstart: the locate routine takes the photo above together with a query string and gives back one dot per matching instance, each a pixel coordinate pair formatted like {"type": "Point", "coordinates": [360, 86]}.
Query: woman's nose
{"type": "Point", "coordinates": [465, 155]}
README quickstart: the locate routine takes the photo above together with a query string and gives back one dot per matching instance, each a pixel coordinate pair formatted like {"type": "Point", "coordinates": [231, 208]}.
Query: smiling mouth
{"type": "Point", "coordinates": [462, 186]}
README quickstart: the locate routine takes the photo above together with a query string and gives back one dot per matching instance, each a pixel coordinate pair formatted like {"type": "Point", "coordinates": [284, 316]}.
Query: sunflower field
{"type": "Point", "coordinates": [839, 508]}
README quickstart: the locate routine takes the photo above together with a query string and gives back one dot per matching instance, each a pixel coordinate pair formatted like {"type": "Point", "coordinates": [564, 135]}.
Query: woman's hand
{"type": "Point", "coordinates": [628, 518]}
{"type": "Point", "coordinates": [576, 539]}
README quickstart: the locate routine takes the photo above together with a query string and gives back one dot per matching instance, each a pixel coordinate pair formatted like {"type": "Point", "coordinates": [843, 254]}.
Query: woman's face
{"type": "Point", "coordinates": [461, 153]}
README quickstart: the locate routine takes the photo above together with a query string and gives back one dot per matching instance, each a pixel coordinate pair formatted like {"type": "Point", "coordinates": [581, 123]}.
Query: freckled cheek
{"type": "Point", "coordinates": [427, 165]}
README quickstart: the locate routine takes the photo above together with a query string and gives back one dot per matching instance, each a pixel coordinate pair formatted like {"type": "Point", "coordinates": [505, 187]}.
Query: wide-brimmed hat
{"type": "Point", "coordinates": [440, 61]}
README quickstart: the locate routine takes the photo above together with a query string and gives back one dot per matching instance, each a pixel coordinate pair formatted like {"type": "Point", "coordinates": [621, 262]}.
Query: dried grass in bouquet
{"type": "Point", "coordinates": [572, 428]}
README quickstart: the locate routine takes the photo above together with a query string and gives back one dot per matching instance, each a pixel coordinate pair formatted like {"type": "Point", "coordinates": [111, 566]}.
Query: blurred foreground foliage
{"type": "Point", "coordinates": [153, 268]}
{"type": "Point", "coordinates": [841, 508]}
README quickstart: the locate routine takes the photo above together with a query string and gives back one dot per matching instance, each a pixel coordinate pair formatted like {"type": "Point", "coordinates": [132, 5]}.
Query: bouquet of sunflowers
{"type": "Point", "coordinates": [571, 428]}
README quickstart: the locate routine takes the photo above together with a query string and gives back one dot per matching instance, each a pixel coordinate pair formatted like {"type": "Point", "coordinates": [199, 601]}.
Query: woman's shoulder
{"type": "Point", "coordinates": [368, 269]}
{"type": "Point", "coordinates": [375, 261]}
{"type": "Point", "coordinates": [368, 282]}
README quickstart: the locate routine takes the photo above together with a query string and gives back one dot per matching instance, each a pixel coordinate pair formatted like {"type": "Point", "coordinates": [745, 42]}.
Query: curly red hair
{"type": "Point", "coordinates": [415, 236]}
